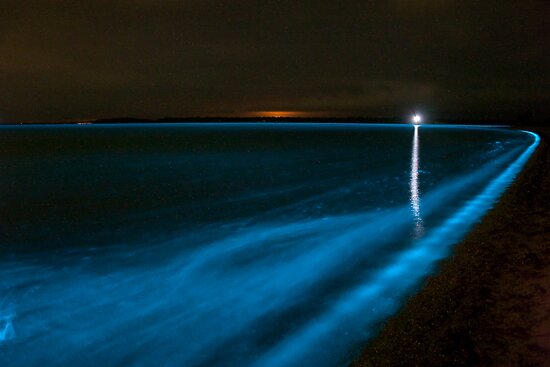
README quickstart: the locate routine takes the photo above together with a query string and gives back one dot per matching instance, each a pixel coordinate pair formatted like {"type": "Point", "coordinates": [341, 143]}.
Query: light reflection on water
{"type": "Point", "coordinates": [274, 292]}
{"type": "Point", "coordinates": [414, 188]}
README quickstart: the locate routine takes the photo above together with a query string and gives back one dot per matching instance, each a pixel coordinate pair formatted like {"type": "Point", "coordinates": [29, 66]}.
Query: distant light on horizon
{"type": "Point", "coordinates": [417, 119]}
{"type": "Point", "coordinates": [281, 113]}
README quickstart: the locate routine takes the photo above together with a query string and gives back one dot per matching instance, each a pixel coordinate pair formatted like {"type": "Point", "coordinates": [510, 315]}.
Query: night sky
{"type": "Point", "coordinates": [76, 60]}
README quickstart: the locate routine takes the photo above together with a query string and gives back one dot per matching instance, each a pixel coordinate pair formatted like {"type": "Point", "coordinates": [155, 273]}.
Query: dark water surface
{"type": "Point", "coordinates": [229, 244]}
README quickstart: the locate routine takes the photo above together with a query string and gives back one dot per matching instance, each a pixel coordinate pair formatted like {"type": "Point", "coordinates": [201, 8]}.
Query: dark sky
{"type": "Point", "coordinates": [65, 60]}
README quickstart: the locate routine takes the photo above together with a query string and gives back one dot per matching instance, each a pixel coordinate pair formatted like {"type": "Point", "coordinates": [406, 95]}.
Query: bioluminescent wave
{"type": "Point", "coordinates": [6, 327]}
{"type": "Point", "coordinates": [230, 245]}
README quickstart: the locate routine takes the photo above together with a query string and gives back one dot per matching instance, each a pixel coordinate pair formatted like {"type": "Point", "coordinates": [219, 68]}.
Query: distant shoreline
{"type": "Point", "coordinates": [351, 119]}
{"type": "Point", "coordinates": [488, 304]}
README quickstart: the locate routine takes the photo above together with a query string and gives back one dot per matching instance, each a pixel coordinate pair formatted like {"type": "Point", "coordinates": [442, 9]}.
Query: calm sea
{"type": "Point", "coordinates": [229, 244]}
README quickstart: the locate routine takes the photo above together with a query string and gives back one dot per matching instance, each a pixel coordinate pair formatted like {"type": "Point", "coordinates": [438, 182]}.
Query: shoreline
{"type": "Point", "coordinates": [401, 120]}
{"type": "Point", "coordinates": [489, 302]}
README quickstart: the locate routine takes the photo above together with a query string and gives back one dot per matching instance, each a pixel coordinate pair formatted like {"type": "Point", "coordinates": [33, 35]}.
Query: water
{"type": "Point", "coordinates": [229, 245]}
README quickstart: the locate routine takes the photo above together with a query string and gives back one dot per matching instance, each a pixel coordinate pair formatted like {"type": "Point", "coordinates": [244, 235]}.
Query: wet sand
{"type": "Point", "coordinates": [489, 305]}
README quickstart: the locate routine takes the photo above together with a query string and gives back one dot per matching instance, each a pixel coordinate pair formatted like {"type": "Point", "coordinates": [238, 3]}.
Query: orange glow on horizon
{"type": "Point", "coordinates": [281, 114]}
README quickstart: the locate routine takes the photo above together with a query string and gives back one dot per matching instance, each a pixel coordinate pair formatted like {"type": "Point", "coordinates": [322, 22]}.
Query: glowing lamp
{"type": "Point", "coordinates": [416, 119]}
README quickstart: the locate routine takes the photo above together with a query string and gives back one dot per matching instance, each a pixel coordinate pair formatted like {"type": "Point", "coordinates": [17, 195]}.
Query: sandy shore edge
{"type": "Point", "coordinates": [489, 304]}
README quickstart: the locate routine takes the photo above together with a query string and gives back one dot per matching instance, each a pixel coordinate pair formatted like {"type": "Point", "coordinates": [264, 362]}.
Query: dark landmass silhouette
{"type": "Point", "coordinates": [519, 121]}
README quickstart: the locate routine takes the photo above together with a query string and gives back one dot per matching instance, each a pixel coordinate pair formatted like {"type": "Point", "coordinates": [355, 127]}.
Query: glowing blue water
{"type": "Point", "coordinates": [233, 245]}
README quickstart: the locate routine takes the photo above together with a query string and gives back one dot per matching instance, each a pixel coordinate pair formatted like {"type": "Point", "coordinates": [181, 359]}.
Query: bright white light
{"type": "Point", "coordinates": [417, 119]}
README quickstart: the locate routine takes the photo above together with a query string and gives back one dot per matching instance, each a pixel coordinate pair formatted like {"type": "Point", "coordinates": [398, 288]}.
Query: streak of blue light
{"type": "Point", "coordinates": [405, 271]}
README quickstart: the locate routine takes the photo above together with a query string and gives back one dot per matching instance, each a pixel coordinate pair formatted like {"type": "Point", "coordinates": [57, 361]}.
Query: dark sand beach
{"type": "Point", "coordinates": [489, 305]}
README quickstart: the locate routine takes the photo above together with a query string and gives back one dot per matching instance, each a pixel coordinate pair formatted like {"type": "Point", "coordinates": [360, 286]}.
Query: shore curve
{"type": "Point", "coordinates": [489, 304]}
